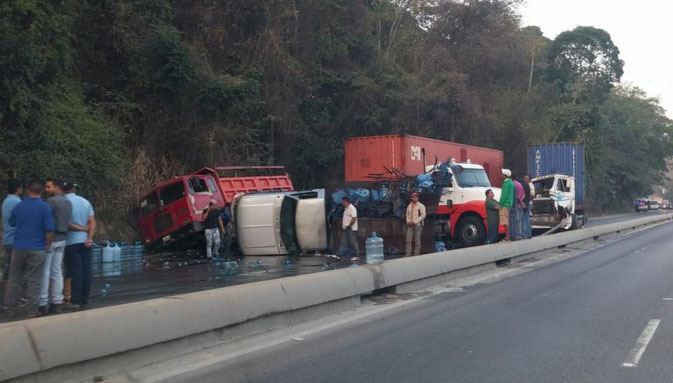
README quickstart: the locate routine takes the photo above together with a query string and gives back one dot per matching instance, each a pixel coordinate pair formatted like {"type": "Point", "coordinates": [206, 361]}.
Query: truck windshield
{"type": "Point", "coordinates": [469, 178]}
{"type": "Point", "coordinates": [171, 193]}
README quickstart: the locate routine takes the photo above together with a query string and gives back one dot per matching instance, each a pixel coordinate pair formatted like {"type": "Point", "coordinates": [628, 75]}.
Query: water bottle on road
{"type": "Point", "coordinates": [374, 250]}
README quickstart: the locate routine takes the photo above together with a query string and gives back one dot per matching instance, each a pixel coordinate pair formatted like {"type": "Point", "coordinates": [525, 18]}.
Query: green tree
{"type": "Point", "coordinates": [585, 64]}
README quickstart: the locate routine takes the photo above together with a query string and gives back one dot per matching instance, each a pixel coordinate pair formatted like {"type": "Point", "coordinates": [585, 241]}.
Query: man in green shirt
{"type": "Point", "coordinates": [492, 217]}
{"type": "Point", "coordinates": [506, 201]}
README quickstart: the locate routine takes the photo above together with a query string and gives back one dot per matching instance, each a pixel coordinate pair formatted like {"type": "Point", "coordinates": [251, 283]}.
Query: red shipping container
{"type": "Point", "coordinates": [366, 158]}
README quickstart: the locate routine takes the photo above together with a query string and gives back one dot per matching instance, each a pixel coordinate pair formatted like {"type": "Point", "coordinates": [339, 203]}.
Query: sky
{"type": "Point", "coordinates": [640, 29]}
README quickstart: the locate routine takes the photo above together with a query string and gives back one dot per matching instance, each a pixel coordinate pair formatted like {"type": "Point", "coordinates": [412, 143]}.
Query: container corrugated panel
{"type": "Point", "coordinates": [568, 159]}
{"type": "Point", "coordinates": [366, 157]}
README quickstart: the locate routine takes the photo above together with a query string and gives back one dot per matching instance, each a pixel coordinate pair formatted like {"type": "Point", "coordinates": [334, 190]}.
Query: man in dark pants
{"type": "Point", "coordinates": [34, 225]}
{"type": "Point", "coordinates": [492, 216]}
{"type": "Point", "coordinates": [349, 224]}
{"type": "Point", "coordinates": [79, 240]}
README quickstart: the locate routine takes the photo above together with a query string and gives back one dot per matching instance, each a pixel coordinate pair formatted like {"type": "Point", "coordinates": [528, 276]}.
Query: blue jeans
{"type": "Point", "coordinates": [78, 268]}
{"type": "Point", "coordinates": [492, 236]}
{"type": "Point", "coordinates": [349, 241]}
{"type": "Point", "coordinates": [515, 222]}
{"type": "Point", "coordinates": [527, 228]}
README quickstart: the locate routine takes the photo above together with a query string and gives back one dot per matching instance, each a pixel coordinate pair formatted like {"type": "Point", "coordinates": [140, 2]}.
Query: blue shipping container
{"type": "Point", "coordinates": [565, 159]}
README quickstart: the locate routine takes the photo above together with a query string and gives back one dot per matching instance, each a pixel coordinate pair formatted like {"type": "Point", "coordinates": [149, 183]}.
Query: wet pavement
{"type": "Point", "coordinates": [179, 273]}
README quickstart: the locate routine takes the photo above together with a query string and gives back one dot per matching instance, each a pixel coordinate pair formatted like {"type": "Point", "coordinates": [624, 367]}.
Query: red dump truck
{"type": "Point", "coordinates": [173, 210]}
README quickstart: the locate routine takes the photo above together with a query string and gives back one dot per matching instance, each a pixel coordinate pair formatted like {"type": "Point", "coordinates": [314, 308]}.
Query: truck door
{"type": "Point", "coordinates": [171, 199]}
{"type": "Point", "coordinates": [200, 194]}
{"type": "Point", "coordinates": [562, 193]}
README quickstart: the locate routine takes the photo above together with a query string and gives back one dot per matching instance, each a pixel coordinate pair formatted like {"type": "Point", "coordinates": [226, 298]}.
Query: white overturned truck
{"type": "Point", "coordinates": [559, 177]}
{"type": "Point", "coordinates": [279, 223]}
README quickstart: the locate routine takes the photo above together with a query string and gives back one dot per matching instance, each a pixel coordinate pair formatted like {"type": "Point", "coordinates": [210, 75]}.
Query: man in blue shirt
{"type": "Point", "coordinates": [34, 232]}
{"type": "Point", "coordinates": [14, 192]}
{"type": "Point", "coordinates": [79, 240]}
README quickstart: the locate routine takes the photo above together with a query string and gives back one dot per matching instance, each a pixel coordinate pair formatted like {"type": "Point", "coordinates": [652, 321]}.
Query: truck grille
{"type": "Point", "coordinates": [543, 206]}
{"type": "Point", "coordinates": [163, 223]}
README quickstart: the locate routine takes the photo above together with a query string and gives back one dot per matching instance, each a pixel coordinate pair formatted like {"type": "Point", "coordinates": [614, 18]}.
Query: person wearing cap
{"type": "Point", "coordinates": [415, 218]}
{"type": "Point", "coordinates": [51, 296]}
{"type": "Point", "coordinates": [79, 240]}
{"type": "Point", "coordinates": [506, 202]}
{"type": "Point", "coordinates": [213, 224]}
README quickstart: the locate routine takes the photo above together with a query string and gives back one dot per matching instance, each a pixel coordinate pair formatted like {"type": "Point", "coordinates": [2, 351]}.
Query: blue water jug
{"type": "Point", "coordinates": [108, 253]}
{"type": "Point", "coordinates": [374, 250]}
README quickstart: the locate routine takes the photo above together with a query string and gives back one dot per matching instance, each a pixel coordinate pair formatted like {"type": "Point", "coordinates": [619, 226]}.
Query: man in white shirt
{"type": "Point", "coordinates": [349, 235]}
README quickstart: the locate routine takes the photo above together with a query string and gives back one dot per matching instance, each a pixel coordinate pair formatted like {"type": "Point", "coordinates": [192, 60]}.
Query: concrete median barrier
{"type": "Point", "coordinates": [33, 350]}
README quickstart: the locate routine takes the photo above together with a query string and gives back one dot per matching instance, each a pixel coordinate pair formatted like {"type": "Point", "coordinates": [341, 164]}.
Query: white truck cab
{"type": "Point", "coordinates": [280, 223]}
{"type": "Point", "coordinates": [461, 211]}
{"type": "Point", "coordinates": [469, 182]}
{"type": "Point", "coordinates": [554, 203]}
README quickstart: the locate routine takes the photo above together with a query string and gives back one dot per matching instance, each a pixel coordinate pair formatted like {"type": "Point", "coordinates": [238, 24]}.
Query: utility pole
{"type": "Point", "coordinates": [532, 65]}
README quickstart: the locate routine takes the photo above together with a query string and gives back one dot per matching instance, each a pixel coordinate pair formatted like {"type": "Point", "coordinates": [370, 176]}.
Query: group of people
{"type": "Point", "coordinates": [39, 237]}
{"type": "Point", "coordinates": [513, 210]}
{"type": "Point", "coordinates": [414, 217]}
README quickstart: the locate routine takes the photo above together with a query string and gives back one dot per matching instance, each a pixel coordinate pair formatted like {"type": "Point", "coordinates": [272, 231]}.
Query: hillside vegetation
{"type": "Point", "coordinates": [122, 94]}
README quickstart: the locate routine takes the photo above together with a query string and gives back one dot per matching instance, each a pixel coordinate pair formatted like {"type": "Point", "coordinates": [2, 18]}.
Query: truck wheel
{"type": "Point", "coordinates": [580, 222]}
{"type": "Point", "coordinates": [471, 231]}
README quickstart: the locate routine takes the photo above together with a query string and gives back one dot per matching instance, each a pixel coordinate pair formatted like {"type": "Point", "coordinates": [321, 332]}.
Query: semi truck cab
{"type": "Point", "coordinates": [554, 203]}
{"type": "Point", "coordinates": [461, 211]}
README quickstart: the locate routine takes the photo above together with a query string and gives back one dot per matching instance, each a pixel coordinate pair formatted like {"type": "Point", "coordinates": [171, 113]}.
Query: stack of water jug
{"type": "Point", "coordinates": [115, 259]}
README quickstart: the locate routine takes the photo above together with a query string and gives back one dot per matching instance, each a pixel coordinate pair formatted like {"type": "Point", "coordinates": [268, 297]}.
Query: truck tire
{"type": "Point", "coordinates": [579, 221]}
{"type": "Point", "coordinates": [471, 231]}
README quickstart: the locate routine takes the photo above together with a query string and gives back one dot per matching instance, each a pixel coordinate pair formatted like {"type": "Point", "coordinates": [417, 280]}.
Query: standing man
{"type": "Point", "coordinates": [492, 217]}
{"type": "Point", "coordinates": [349, 224]}
{"type": "Point", "coordinates": [228, 234]}
{"type": "Point", "coordinates": [213, 223]}
{"type": "Point", "coordinates": [530, 188]}
{"type": "Point", "coordinates": [415, 218]}
{"type": "Point", "coordinates": [34, 225]}
{"type": "Point", "coordinates": [78, 241]}
{"type": "Point", "coordinates": [516, 216]}
{"type": "Point", "coordinates": [14, 192]}
{"type": "Point", "coordinates": [53, 265]}
{"type": "Point", "coordinates": [506, 202]}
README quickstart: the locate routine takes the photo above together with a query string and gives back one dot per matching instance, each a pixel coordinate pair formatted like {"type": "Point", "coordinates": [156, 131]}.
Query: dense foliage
{"type": "Point", "coordinates": [104, 91]}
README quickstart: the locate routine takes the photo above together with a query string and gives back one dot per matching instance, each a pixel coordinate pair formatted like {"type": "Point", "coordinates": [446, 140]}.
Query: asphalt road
{"type": "Point", "coordinates": [604, 220]}
{"type": "Point", "coordinates": [604, 316]}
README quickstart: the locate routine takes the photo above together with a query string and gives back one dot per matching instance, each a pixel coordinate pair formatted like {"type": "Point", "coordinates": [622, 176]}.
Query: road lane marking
{"type": "Point", "coordinates": [667, 299]}
{"type": "Point", "coordinates": [641, 344]}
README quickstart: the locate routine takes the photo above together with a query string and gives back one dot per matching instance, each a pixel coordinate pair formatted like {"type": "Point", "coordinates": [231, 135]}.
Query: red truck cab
{"type": "Point", "coordinates": [173, 211]}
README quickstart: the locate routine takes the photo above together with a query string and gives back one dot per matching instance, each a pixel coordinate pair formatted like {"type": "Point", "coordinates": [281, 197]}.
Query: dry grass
{"type": "Point", "coordinates": [117, 208]}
